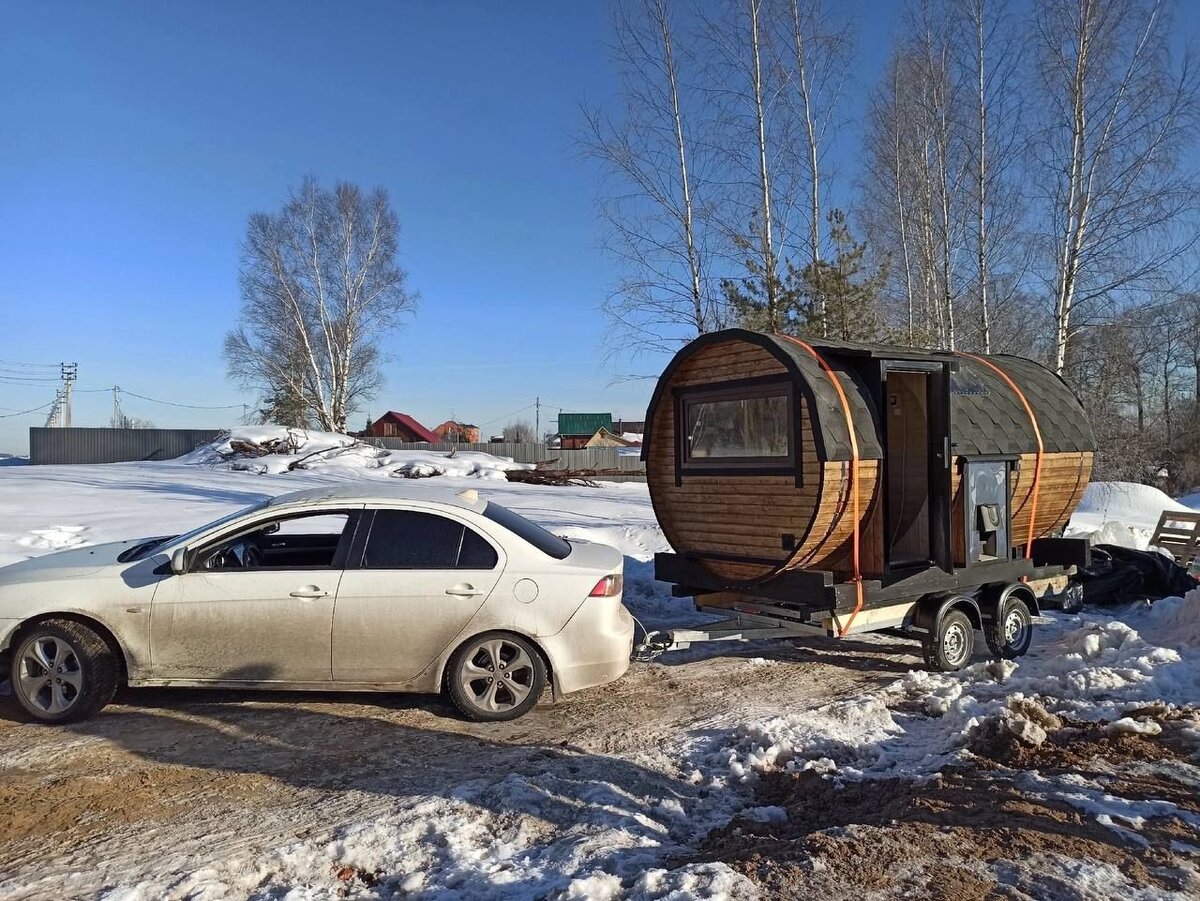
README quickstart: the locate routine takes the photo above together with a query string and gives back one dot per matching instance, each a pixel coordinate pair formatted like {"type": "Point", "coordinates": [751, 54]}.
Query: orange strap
{"type": "Point", "coordinates": [1037, 434]}
{"type": "Point", "coordinates": [854, 460]}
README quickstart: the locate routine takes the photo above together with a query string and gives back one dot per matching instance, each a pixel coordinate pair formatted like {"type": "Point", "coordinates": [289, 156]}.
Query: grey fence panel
{"type": "Point", "coordinates": [528, 452]}
{"type": "Point", "coordinates": [79, 445]}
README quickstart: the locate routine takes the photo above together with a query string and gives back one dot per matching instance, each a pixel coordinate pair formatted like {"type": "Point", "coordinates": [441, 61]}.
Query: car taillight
{"type": "Point", "coordinates": [608, 587]}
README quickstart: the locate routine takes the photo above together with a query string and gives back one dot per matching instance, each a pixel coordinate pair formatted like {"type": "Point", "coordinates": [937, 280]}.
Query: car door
{"type": "Point", "coordinates": [421, 578]}
{"type": "Point", "coordinates": [256, 605]}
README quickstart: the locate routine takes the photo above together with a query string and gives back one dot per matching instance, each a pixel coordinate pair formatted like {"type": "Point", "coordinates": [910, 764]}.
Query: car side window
{"type": "Point", "coordinates": [407, 539]}
{"type": "Point", "coordinates": [305, 541]}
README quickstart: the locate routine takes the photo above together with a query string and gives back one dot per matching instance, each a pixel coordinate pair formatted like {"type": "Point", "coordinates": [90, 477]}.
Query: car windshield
{"type": "Point", "coordinates": [544, 541]}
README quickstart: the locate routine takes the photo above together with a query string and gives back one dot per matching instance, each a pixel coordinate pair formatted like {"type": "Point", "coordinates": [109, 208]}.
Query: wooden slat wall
{"type": "Point", "coordinates": [748, 515]}
{"type": "Point", "coordinates": [1064, 479]}
{"type": "Point", "coordinates": [742, 515]}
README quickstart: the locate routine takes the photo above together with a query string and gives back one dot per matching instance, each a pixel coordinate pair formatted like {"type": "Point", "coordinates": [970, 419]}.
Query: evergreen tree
{"type": "Point", "coordinates": [850, 291]}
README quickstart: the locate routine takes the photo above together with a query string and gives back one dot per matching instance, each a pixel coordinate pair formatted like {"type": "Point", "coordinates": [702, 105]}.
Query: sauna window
{"type": "Point", "coordinates": [738, 427]}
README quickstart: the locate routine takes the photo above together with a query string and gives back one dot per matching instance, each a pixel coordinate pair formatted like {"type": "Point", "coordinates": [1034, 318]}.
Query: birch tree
{"type": "Point", "coordinates": [754, 131]}
{"type": "Point", "coordinates": [820, 49]}
{"type": "Point", "coordinates": [914, 192]}
{"type": "Point", "coordinates": [988, 59]}
{"type": "Point", "coordinates": [320, 290]}
{"type": "Point", "coordinates": [653, 207]}
{"type": "Point", "coordinates": [1117, 112]}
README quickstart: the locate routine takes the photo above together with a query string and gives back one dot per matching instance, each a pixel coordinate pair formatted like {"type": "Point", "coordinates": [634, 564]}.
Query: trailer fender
{"type": "Point", "coordinates": [995, 595]}
{"type": "Point", "coordinates": [931, 609]}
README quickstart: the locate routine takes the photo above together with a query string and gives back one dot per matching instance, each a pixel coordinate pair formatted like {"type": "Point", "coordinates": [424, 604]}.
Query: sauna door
{"type": "Point", "coordinates": [916, 474]}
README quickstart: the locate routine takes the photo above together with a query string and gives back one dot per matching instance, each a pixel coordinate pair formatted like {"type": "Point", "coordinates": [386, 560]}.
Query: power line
{"type": "Point", "coordinates": [26, 412]}
{"type": "Point", "coordinates": [187, 406]}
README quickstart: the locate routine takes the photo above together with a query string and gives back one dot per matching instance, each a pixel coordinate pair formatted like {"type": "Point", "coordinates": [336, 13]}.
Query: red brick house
{"type": "Point", "coordinates": [399, 425]}
{"type": "Point", "coordinates": [457, 432]}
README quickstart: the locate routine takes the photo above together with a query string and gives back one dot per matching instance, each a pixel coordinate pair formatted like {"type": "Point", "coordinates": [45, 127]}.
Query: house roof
{"type": "Point", "coordinates": [583, 423]}
{"type": "Point", "coordinates": [403, 419]}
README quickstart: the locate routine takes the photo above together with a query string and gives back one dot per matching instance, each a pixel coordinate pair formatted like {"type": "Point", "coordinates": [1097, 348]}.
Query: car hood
{"type": "Point", "coordinates": [79, 561]}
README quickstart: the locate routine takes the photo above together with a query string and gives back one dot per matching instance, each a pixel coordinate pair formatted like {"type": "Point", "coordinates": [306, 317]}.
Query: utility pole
{"type": "Point", "coordinates": [68, 371]}
{"type": "Point", "coordinates": [537, 419]}
{"type": "Point", "coordinates": [116, 417]}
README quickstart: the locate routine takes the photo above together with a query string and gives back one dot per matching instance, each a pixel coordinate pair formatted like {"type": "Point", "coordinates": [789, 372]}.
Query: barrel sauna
{"type": "Point", "coordinates": [766, 453]}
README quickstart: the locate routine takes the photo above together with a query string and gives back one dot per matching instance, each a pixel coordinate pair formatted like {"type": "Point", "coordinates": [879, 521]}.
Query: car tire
{"type": "Point", "coordinates": [496, 676]}
{"type": "Point", "coordinates": [81, 678]}
{"type": "Point", "coordinates": [1010, 632]}
{"type": "Point", "coordinates": [949, 647]}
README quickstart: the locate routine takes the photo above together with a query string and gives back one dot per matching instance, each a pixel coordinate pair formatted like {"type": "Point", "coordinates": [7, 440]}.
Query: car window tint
{"type": "Point", "coordinates": [476, 553]}
{"type": "Point", "coordinates": [546, 542]}
{"type": "Point", "coordinates": [404, 539]}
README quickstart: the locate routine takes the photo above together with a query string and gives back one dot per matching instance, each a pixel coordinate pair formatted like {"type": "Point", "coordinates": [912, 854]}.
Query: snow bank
{"type": "Point", "coordinates": [1088, 668]}
{"type": "Point", "coordinates": [337, 454]}
{"type": "Point", "coordinates": [1122, 513]}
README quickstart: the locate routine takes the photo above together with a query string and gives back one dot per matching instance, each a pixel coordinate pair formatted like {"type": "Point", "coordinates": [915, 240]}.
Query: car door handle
{"type": "Point", "coordinates": [311, 593]}
{"type": "Point", "coordinates": [464, 591]}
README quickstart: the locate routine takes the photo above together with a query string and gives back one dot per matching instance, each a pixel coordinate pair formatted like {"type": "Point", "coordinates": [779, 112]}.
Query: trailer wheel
{"type": "Point", "coordinates": [949, 646]}
{"type": "Point", "coordinates": [1010, 632]}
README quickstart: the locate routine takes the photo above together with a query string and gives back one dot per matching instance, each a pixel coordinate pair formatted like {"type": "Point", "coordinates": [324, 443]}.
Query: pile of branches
{"type": "Point", "coordinates": [544, 473]}
{"type": "Point", "coordinates": [241, 448]}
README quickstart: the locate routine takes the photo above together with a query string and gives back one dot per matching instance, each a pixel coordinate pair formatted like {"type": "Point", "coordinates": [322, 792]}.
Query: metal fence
{"type": "Point", "coordinates": [78, 445]}
{"type": "Point", "coordinates": [629, 461]}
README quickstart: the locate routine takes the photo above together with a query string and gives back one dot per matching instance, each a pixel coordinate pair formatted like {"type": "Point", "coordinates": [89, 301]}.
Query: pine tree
{"type": "Point", "coordinates": [850, 292]}
{"type": "Point", "coordinates": [284, 407]}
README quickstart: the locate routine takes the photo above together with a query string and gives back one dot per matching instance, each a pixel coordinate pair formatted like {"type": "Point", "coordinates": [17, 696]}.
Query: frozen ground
{"type": "Point", "coordinates": [815, 770]}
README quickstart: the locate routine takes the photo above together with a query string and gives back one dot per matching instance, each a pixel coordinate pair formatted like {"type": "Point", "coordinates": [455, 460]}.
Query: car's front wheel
{"type": "Point", "coordinates": [62, 671]}
{"type": "Point", "coordinates": [496, 676]}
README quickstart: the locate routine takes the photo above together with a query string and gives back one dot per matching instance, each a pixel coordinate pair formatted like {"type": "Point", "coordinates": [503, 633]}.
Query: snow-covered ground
{"type": "Point", "coordinates": [624, 821]}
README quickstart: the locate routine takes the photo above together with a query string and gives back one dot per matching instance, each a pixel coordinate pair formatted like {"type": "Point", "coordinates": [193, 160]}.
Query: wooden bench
{"type": "Point", "coordinates": [1179, 533]}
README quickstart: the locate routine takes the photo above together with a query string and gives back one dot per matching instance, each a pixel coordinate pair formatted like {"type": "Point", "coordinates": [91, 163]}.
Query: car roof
{"type": "Point", "coordinates": [379, 491]}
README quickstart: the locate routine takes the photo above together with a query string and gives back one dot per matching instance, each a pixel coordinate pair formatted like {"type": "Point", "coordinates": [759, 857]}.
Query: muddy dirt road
{"type": "Point", "coordinates": [163, 784]}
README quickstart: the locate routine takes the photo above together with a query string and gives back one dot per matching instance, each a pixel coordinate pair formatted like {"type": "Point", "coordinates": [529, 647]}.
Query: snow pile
{"type": "Point", "coordinates": [462, 465]}
{"type": "Point", "coordinates": [274, 450]}
{"type": "Point", "coordinates": [1087, 668]}
{"type": "Point", "coordinates": [1122, 513]}
{"type": "Point", "coordinates": [1173, 622]}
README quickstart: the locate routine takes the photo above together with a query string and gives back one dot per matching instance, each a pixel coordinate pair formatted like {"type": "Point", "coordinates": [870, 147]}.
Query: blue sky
{"type": "Point", "coordinates": [139, 136]}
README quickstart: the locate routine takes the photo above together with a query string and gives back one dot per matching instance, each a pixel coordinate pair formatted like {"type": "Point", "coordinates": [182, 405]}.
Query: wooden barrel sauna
{"type": "Point", "coordinates": [760, 448]}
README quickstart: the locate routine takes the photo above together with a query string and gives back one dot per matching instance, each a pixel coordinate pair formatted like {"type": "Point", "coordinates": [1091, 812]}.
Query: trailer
{"type": "Point", "coordinates": [840, 488]}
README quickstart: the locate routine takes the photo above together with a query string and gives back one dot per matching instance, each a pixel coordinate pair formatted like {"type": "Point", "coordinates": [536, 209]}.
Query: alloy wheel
{"type": "Point", "coordinates": [497, 675]}
{"type": "Point", "coordinates": [49, 677]}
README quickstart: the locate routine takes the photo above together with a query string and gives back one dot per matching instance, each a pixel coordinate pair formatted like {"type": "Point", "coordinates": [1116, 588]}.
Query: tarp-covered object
{"type": "Point", "coordinates": [1120, 574]}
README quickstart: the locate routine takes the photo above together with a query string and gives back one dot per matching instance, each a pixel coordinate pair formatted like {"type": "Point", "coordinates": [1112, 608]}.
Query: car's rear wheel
{"type": "Point", "coordinates": [496, 676]}
{"type": "Point", "coordinates": [62, 671]}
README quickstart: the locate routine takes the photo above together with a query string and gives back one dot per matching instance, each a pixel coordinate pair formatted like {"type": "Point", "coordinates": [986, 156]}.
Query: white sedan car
{"type": "Point", "coordinates": [360, 587]}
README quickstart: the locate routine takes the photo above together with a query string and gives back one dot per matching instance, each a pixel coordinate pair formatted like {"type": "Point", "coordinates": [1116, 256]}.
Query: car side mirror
{"type": "Point", "coordinates": [179, 561]}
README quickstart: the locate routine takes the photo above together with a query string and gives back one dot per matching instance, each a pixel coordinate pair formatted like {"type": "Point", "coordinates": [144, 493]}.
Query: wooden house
{"type": "Point", "coordinates": [850, 477]}
{"type": "Point", "coordinates": [575, 430]}
{"type": "Point", "coordinates": [605, 438]}
{"type": "Point", "coordinates": [399, 425]}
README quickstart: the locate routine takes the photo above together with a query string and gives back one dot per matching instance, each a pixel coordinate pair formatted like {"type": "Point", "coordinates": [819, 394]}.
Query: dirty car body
{"type": "Point", "coordinates": [356, 587]}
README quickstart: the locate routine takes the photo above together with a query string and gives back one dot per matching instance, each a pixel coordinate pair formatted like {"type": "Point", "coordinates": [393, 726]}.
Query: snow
{"type": "Point", "coordinates": [539, 835]}
{"type": "Point", "coordinates": [1121, 513]}
{"type": "Point", "coordinates": [334, 453]}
